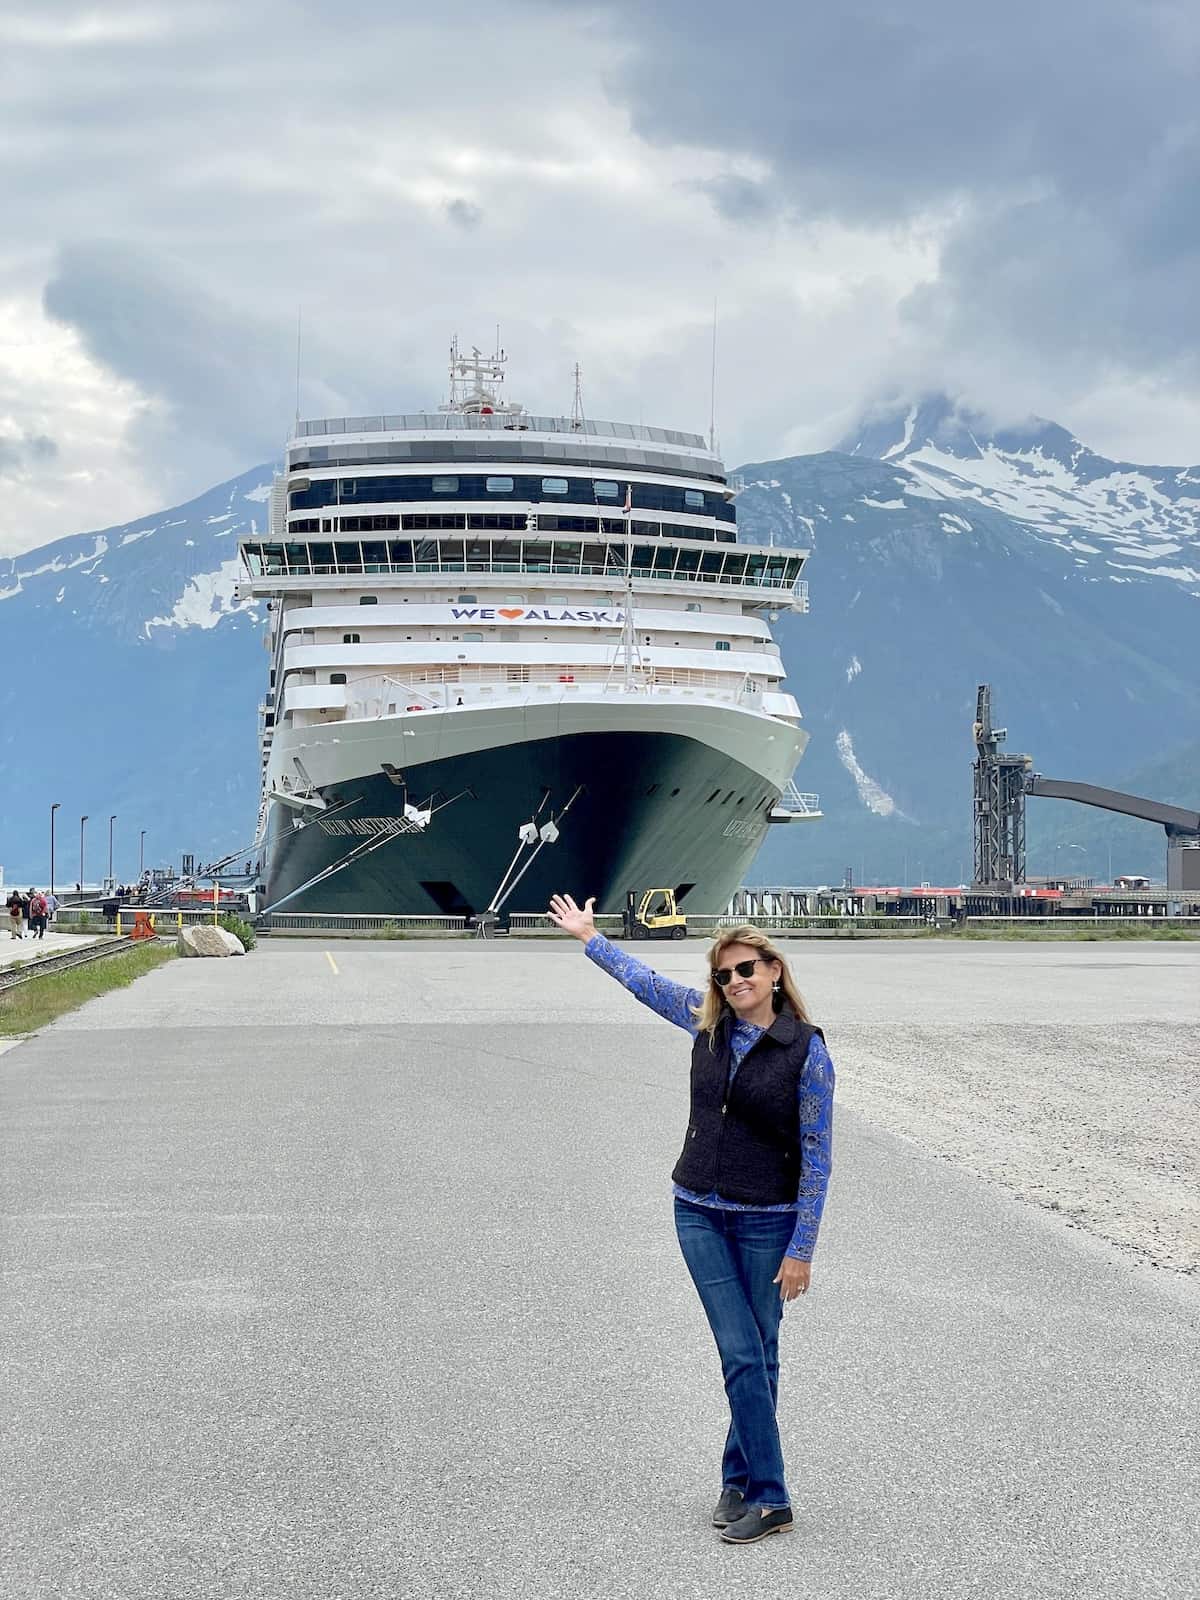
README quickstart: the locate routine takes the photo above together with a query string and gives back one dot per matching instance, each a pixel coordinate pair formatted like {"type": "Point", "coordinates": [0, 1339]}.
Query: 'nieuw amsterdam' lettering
{"type": "Point", "coordinates": [364, 827]}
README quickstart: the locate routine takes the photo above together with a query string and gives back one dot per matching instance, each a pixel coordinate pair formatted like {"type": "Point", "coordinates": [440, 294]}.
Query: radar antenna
{"type": "Point", "coordinates": [475, 382]}
{"type": "Point", "coordinates": [578, 420]}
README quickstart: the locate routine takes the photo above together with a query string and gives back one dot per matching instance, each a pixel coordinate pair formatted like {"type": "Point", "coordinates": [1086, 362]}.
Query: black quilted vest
{"type": "Point", "coordinates": [744, 1141]}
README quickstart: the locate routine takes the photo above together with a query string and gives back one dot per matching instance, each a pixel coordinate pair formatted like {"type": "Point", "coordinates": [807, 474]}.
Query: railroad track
{"type": "Point", "coordinates": [65, 959]}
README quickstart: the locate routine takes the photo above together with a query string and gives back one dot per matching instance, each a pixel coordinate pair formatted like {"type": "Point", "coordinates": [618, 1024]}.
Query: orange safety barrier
{"type": "Point", "coordinates": [143, 925]}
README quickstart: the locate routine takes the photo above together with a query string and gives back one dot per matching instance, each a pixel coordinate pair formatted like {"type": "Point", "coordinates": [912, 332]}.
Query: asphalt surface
{"type": "Point", "coordinates": [352, 1273]}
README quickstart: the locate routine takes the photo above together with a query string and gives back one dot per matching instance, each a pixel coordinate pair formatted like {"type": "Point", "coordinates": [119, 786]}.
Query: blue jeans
{"type": "Point", "coordinates": [733, 1257]}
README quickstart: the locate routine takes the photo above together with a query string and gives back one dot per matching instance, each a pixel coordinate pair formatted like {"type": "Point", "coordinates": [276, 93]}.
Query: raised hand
{"type": "Point", "coordinates": [565, 914]}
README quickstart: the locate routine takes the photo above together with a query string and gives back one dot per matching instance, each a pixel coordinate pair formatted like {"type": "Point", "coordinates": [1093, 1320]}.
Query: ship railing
{"type": "Point", "coordinates": [438, 688]}
{"type": "Point", "coordinates": [797, 802]}
{"type": "Point", "coordinates": [495, 422]}
{"type": "Point", "coordinates": [612, 574]}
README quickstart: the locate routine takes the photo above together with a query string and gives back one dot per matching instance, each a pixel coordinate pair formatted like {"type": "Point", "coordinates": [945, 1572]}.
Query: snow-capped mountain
{"type": "Point", "coordinates": [917, 596]}
{"type": "Point", "coordinates": [1112, 516]}
{"type": "Point", "coordinates": [944, 555]}
{"type": "Point", "coordinates": [131, 682]}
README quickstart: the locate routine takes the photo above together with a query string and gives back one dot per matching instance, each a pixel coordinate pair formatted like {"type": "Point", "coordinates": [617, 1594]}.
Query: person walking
{"type": "Point", "coordinates": [14, 915]}
{"type": "Point", "coordinates": [750, 1183]}
{"type": "Point", "coordinates": [24, 899]}
{"type": "Point", "coordinates": [37, 913]}
{"type": "Point", "coordinates": [51, 905]}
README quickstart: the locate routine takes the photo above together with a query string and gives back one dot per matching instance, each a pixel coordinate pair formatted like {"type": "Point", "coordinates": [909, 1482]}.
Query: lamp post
{"type": "Point", "coordinates": [53, 809]}
{"type": "Point", "coordinates": [141, 852]}
{"type": "Point", "coordinates": [1064, 846]}
{"type": "Point", "coordinates": [82, 820]}
{"type": "Point", "coordinates": [111, 820]}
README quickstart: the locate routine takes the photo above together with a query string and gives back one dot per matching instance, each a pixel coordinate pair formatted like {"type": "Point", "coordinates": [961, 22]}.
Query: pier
{"type": "Point", "coordinates": [349, 1269]}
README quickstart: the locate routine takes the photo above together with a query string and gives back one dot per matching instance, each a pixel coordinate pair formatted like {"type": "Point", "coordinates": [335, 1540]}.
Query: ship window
{"type": "Point", "coordinates": [468, 599]}
{"type": "Point", "coordinates": [692, 605]}
{"type": "Point", "coordinates": [445, 486]}
{"type": "Point", "coordinates": [368, 599]}
{"type": "Point", "coordinates": [337, 677]}
{"type": "Point", "coordinates": [712, 797]}
{"type": "Point", "coordinates": [727, 798]}
{"type": "Point", "coordinates": [654, 788]}
{"type": "Point", "coordinates": [554, 486]}
{"type": "Point", "coordinates": [693, 499]}
{"type": "Point", "coordinates": [604, 490]}
{"type": "Point", "coordinates": [352, 638]}
{"type": "Point", "coordinates": [514, 599]}
{"type": "Point", "coordinates": [499, 485]}
{"type": "Point", "coordinates": [673, 793]}
{"type": "Point", "coordinates": [721, 644]}
{"type": "Point", "coordinates": [472, 638]}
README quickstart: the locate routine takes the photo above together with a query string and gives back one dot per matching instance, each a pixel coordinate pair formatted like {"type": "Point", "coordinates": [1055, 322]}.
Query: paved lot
{"type": "Point", "coordinates": [363, 1282]}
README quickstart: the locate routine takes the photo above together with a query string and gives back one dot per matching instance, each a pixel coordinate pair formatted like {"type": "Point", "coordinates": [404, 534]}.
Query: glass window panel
{"type": "Point", "coordinates": [445, 486]}
{"type": "Point", "coordinates": [499, 485]}
{"type": "Point", "coordinates": [604, 489]}
{"type": "Point", "coordinates": [664, 558]}
{"type": "Point", "coordinates": [554, 486]}
{"type": "Point", "coordinates": [710, 561]}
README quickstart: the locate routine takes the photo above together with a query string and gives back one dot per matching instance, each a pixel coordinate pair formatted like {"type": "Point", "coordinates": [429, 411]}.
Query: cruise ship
{"type": "Point", "coordinates": [512, 655]}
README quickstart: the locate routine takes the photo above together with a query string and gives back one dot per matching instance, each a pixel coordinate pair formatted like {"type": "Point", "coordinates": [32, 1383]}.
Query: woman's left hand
{"type": "Point", "coordinates": [792, 1277]}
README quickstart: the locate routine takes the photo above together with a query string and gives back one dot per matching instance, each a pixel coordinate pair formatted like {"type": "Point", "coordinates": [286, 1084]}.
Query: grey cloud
{"type": "Point", "coordinates": [738, 199]}
{"type": "Point", "coordinates": [17, 451]}
{"type": "Point", "coordinates": [220, 379]}
{"type": "Point", "coordinates": [464, 214]}
{"type": "Point", "coordinates": [1055, 148]}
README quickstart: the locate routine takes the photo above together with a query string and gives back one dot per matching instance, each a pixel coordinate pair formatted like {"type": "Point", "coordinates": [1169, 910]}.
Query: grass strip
{"type": "Point", "coordinates": [32, 1005]}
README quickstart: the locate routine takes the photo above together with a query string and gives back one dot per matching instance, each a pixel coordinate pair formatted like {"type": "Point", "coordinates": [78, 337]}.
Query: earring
{"type": "Point", "coordinates": [775, 988]}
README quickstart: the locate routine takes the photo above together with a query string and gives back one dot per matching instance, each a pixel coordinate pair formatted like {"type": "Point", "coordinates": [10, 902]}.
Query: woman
{"type": "Point", "coordinates": [750, 1184]}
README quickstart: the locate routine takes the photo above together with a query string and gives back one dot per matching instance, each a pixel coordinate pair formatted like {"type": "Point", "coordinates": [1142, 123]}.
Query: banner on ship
{"type": "Point", "coordinates": [511, 615]}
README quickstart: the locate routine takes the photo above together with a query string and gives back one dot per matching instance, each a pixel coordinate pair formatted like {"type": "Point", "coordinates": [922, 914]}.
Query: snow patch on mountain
{"type": "Point", "coordinates": [1042, 476]}
{"type": "Point", "coordinates": [853, 670]}
{"type": "Point", "coordinates": [873, 795]}
{"type": "Point", "coordinates": [208, 597]}
{"type": "Point", "coordinates": [261, 493]}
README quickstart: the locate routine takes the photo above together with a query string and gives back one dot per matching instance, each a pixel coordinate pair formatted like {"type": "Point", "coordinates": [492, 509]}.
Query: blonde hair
{"type": "Point", "coordinates": [708, 1012]}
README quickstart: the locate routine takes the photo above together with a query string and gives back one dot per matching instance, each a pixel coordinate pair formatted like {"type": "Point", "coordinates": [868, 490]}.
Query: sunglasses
{"type": "Point", "coordinates": [744, 969]}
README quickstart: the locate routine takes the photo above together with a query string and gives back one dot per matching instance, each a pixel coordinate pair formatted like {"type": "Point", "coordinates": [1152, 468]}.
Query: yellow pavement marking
{"type": "Point", "coordinates": [331, 961]}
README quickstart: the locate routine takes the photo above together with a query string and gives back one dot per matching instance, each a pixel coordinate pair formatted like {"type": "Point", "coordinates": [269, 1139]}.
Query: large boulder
{"type": "Point", "coordinates": [204, 940]}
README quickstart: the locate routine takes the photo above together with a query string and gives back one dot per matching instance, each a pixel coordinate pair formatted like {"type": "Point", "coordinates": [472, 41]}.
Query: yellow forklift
{"type": "Point", "coordinates": [655, 916]}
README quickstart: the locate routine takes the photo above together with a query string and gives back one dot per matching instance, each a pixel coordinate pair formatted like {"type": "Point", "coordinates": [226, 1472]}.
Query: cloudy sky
{"type": "Point", "coordinates": [882, 199]}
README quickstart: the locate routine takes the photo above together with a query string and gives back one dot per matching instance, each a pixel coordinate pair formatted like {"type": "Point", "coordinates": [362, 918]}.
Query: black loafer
{"type": "Point", "coordinates": [729, 1508]}
{"type": "Point", "coordinates": [753, 1525]}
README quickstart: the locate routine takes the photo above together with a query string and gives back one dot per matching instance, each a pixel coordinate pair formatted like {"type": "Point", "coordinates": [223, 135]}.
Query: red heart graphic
{"type": "Point", "coordinates": [505, 613]}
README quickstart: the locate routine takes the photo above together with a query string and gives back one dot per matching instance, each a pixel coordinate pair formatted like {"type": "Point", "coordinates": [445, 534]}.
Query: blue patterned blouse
{"type": "Point", "coordinates": [674, 1002]}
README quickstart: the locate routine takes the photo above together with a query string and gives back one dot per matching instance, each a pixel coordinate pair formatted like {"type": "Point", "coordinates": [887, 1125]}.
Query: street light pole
{"type": "Point", "coordinates": [142, 853]}
{"type": "Point", "coordinates": [111, 820]}
{"type": "Point", "coordinates": [82, 820]}
{"type": "Point", "coordinates": [53, 809]}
